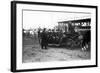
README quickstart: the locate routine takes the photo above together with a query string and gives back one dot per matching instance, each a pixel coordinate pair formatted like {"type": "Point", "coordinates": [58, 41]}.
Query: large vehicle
{"type": "Point", "coordinates": [71, 33]}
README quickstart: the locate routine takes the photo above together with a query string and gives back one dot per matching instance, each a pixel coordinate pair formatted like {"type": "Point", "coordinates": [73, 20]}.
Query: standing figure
{"type": "Point", "coordinates": [44, 39]}
{"type": "Point", "coordinates": [39, 36]}
{"type": "Point", "coordinates": [86, 40]}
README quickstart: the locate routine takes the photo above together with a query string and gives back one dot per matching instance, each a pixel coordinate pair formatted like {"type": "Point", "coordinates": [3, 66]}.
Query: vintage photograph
{"type": "Point", "coordinates": [55, 36]}
{"type": "Point", "coordinates": [48, 36]}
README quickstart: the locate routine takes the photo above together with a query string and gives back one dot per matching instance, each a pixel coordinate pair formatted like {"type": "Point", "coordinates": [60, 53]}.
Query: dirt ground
{"type": "Point", "coordinates": [32, 52]}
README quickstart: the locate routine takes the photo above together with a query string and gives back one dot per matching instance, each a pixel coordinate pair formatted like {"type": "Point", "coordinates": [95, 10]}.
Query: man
{"type": "Point", "coordinates": [39, 36]}
{"type": "Point", "coordinates": [86, 40]}
{"type": "Point", "coordinates": [44, 39]}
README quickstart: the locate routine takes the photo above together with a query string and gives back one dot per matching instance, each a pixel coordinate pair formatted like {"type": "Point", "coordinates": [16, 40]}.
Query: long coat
{"type": "Point", "coordinates": [44, 38]}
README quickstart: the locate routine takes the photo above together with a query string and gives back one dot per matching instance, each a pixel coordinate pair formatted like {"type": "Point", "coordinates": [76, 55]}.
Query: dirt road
{"type": "Point", "coordinates": [33, 53]}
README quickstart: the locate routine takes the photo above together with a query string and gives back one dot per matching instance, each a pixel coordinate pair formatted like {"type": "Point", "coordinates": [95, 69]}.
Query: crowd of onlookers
{"type": "Point", "coordinates": [52, 36]}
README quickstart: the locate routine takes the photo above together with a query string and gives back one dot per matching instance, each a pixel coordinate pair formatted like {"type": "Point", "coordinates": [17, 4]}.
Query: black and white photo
{"type": "Point", "coordinates": [56, 36]}
{"type": "Point", "coordinates": [50, 36]}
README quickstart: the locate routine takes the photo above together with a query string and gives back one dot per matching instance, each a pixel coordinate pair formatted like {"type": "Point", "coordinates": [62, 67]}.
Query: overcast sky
{"type": "Point", "coordinates": [35, 19]}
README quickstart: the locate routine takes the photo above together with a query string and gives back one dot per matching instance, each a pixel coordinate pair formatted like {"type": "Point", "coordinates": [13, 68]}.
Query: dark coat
{"type": "Point", "coordinates": [44, 38]}
{"type": "Point", "coordinates": [86, 38]}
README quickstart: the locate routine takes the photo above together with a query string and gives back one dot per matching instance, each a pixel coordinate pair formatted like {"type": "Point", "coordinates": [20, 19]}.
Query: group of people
{"type": "Point", "coordinates": [48, 36]}
{"type": "Point", "coordinates": [53, 37]}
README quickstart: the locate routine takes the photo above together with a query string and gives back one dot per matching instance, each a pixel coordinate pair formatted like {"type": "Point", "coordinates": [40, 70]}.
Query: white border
{"type": "Point", "coordinates": [21, 65]}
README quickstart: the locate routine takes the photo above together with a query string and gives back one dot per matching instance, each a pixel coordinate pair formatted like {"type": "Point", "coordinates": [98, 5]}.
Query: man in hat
{"type": "Point", "coordinates": [44, 39]}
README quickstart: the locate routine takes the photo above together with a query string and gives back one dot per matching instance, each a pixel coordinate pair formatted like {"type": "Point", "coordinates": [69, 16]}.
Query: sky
{"type": "Point", "coordinates": [36, 19]}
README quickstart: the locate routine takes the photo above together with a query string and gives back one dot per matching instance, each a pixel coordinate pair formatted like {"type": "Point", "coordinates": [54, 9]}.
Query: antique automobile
{"type": "Point", "coordinates": [73, 35]}
{"type": "Point", "coordinates": [64, 39]}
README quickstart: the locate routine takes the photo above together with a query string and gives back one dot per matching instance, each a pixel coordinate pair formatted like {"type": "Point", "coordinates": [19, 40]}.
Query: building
{"type": "Point", "coordinates": [80, 24]}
